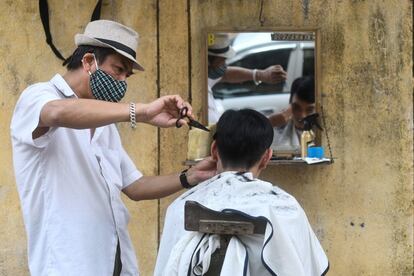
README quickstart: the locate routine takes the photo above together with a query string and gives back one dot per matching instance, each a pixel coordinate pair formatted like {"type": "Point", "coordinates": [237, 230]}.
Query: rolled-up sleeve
{"type": "Point", "coordinates": [26, 116]}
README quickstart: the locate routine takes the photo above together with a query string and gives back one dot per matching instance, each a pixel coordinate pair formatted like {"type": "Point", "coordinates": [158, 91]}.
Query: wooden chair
{"type": "Point", "coordinates": [225, 224]}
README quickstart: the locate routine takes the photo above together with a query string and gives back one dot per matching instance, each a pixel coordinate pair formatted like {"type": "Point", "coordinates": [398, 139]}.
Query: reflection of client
{"type": "Point", "coordinates": [302, 103]}
{"type": "Point", "coordinates": [218, 71]}
{"type": "Point", "coordinates": [288, 247]}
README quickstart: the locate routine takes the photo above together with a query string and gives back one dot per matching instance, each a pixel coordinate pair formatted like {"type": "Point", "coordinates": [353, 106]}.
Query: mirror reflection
{"type": "Point", "coordinates": [271, 72]}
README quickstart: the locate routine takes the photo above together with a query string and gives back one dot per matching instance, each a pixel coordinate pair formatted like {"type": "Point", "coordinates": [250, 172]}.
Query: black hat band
{"type": "Point", "coordinates": [219, 51]}
{"type": "Point", "coordinates": [119, 46]}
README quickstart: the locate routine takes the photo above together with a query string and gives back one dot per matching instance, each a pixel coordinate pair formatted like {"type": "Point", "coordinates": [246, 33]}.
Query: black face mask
{"type": "Point", "coordinates": [215, 73]}
{"type": "Point", "coordinates": [105, 87]}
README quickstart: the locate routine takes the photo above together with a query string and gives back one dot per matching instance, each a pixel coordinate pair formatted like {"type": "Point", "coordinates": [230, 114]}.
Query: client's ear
{"type": "Point", "coordinates": [214, 151]}
{"type": "Point", "coordinates": [265, 158]}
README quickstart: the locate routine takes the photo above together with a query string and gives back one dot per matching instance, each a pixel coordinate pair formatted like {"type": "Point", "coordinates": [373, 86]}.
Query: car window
{"type": "Point", "coordinates": [264, 59]}
{"type": "Point", "coordinates": [259, 60]}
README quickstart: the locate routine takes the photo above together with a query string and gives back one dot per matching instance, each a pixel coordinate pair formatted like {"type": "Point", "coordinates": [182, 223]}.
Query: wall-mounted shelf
{"type": "Point", "coordinates": [276, 162]}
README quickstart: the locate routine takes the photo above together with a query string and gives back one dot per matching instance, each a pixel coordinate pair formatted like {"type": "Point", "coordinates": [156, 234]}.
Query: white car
{"type": "Point", "coordinates": [259, 51]}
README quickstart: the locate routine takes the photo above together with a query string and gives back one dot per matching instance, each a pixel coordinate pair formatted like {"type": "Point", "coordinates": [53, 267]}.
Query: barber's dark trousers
{"type": "Point", "coordinates": [118, 263]}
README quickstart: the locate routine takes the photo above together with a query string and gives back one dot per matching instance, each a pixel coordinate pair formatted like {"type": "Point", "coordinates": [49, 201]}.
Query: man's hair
{"type": "Point", "coordinates": [304, 89]}
{"type": "Point", "coordinates": [211, 58]}
{"type": "Point", "coordinates": [75, 60]}
{"type": "Point", "coordinates": [242, 137]}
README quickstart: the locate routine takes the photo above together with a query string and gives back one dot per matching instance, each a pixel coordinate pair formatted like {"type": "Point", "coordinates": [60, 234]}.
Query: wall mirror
{"type": "Point", "coordinates": [285, 55]}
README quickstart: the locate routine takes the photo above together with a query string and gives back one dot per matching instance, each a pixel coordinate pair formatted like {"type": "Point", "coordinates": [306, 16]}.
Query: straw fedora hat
{"type": "Point", "coordinates": [110, 34]}
{"type": "Point", "coordinates": [221, 46]}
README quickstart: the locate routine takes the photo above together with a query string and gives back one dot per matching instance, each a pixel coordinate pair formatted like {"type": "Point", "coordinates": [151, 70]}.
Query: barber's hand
{"type": "Point", "coordinates": [163, 112]}
{"type": "Point", "coordinates": [287, 113]}
{"type": "Point", "coordinates": [280, 119]}
{"type": "Point", "coordinates": [272, 74]}
{"type": "Point", "coordinates": [203, 170]}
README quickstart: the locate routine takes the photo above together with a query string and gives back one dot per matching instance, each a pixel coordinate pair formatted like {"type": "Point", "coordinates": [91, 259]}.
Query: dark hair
{"type": "Point", "coordinates": [75, 60]}
{"type": "Point", "coordinates": [304, 88]}
{"type": "Point", "coordinates": [242, 137]}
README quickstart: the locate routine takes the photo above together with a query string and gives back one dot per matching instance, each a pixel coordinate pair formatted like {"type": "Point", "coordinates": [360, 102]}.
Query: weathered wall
{"type": "Point", "coordinates": [360, 207]}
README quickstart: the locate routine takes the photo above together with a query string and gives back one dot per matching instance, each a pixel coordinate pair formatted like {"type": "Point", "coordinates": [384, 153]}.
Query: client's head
{"type": "Point", "coordinates": [242, 141]}
{"type": "Point", "coordinates": [302, 99]}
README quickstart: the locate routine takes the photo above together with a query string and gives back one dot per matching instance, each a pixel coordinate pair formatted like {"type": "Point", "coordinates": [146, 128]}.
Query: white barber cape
{"type": "Point", "coordinates": [286, 137]}
{"type": "Point", "coordinates": [289, 246]}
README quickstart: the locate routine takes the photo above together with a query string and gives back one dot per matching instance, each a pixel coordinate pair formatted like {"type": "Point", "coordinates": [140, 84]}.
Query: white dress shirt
{"type": "Point", "coordinates": [69, 187]}
{"type": "Point", "coordinates": [213, 109]}
{"type": "Point", "coordinates": [289, 247]}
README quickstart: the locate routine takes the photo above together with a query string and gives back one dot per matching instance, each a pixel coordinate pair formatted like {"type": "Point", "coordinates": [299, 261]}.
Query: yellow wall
{"type": "Point", "coordinates": [361, 207]}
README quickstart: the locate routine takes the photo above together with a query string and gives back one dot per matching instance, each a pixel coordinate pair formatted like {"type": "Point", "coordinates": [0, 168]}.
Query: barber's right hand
{"type": "Point", "coordinates": [272, 74]}
{"type": "Point", "coordinates": [164, 111]}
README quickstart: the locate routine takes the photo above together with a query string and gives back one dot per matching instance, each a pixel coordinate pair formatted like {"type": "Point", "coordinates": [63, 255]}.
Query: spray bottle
{"type": "Point", "coordinates": [308, 136]}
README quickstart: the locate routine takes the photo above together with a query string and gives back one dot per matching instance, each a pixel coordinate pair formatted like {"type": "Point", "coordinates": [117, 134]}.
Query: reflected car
{"type": "Point", "coordinates": [258, 51]}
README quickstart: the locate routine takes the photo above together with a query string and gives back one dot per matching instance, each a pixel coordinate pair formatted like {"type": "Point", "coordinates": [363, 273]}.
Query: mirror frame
{"type": "Point", "coordinates": [204, 62]}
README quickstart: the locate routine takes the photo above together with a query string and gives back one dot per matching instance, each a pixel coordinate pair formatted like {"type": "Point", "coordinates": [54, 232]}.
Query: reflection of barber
{"type": "Point", "coordinates": [288, 125]}
{"type": "Point", "coordinates": [218, 71]}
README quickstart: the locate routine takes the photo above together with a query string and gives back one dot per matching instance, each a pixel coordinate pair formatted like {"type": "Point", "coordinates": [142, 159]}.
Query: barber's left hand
{"type": "Point", "coordinates": [272, 74]}
{"type": "Point", "coordinates": [203, 170]}
{"type": "Point", "coordinates": [164, 111]}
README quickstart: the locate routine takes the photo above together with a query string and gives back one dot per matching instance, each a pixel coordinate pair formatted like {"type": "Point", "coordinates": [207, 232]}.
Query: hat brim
{"type": "Point", "coordinates": [81, 39]}
{"type": "Point", "coordinates": [229, 54]}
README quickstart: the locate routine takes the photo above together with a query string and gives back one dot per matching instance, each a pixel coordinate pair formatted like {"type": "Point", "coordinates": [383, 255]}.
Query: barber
{"type": "Point", "coordinates": [71, 167]}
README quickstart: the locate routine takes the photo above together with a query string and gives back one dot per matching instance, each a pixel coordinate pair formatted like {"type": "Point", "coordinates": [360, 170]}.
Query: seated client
{"type": "Point", "coordinates": [242, 150]}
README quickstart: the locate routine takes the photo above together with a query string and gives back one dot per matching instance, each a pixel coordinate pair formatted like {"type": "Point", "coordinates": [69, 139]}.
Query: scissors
{"type": "Point", "coordinates": [191, 122]}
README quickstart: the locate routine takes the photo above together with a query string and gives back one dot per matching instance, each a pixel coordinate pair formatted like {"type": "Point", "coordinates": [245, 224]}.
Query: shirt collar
{"type": "Point", "coordinates": [59, 82]}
